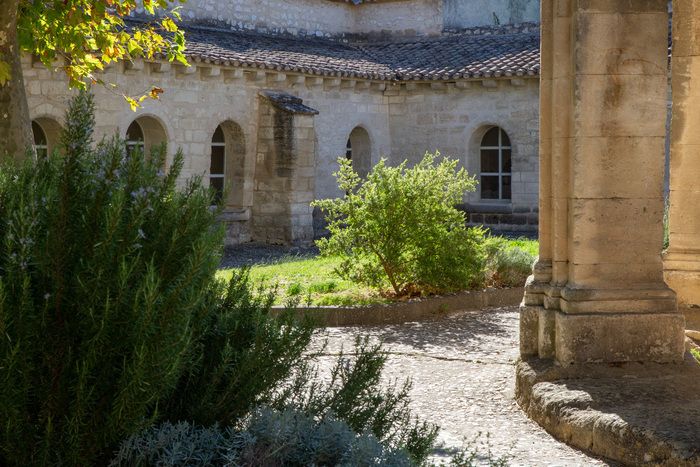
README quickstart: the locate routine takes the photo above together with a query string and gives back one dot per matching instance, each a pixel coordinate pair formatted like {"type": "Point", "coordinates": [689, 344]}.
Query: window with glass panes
{"type": "Point", "coordinates": [134, 138]}
{"type": "Point", "coordinates": [495, 155]}
{"type": "Point", "coordinates": [217, 166]}
{"type": "Point", "coordinates": [41, 143]}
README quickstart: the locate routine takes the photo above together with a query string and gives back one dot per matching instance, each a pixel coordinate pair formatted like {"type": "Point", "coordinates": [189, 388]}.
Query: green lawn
{"type": "Point", "coordinates": [311, 280]}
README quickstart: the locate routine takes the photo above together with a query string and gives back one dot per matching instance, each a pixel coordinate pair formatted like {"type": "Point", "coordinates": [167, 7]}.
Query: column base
{"type": "Point", "coordinates": [619, 337]}
{"type": "Point", "coordinates": [682, 274]}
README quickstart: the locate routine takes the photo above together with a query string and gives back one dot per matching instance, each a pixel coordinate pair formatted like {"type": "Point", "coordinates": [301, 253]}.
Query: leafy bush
{"type": "Point", "coordinates": [104, 268]}
{"type": "Point", "coordinates": [508, 263]}
{"type": "Point", "coordinates": [400, 227]}
{"type": "Point", "coordinates": [271, 438]}
{"type": "Point", "coordinates": [111, 316]}
{"type": "Point", "coordinates": [240, 354]}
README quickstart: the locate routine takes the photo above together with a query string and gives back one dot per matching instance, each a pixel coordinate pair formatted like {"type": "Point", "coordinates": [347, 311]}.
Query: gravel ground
{"type": "Point", "coordinates": [259, 253]}
{"type": "Point", "coordinates": [463, 371]}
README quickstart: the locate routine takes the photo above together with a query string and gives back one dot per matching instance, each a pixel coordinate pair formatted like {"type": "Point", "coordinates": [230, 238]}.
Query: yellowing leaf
{"type": "Point", "coordinates": [132, 103]}
{"type": "Point", "coordinates": [169, 25]}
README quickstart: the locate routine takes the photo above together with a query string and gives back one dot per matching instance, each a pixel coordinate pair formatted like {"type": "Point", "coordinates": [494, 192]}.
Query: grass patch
{"type": "Point", "coordinates": [695, 353]}
{"type": "Point", "coordinates": [312, 280]}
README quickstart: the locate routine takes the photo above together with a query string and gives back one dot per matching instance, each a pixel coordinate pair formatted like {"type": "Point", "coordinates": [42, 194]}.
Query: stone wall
{"type": "Point", "coordinates": [465, 14]}
{"type": "Point", "coordinates": [319, 17]}
{"type": "Point", "coordinates": [402, 120]}
{"type": "Point", "coordinates": [453, 118]}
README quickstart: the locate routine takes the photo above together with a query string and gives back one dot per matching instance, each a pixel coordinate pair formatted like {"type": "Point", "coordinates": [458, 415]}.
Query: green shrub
{"type": "Point", "coordinates": [400, 227]}
{"type": "Point", "coordinates": [509, 262]}
{"type": "Point", "coordinates": [240, 354]}
{"type": "Point", "coordinates": [294, 289]}
{"type": "Point", "coordinates": [270, 438]}
{"type": "Point", "coordinates": [111, 318]}
{"type": "Point", "coordinates": [104, 267]}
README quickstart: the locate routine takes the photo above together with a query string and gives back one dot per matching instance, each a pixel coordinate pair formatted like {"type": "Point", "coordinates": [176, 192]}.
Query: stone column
{"type": "Point", "coordinates": [606, 300]}
{"type": "Point", "coordinates": [538, 283]}
{"type": "Point", "coordinates": [284, 173]}
{"type": "Point", "coordinates": [682, 259]}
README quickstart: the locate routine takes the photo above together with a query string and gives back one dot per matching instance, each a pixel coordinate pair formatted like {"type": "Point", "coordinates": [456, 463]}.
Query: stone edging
{"type": "Point", "coordinates": [415, 310]}
{"type": "Point", "coordinates": [635, 414]}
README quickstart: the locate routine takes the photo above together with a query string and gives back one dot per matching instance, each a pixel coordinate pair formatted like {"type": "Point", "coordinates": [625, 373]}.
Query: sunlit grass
{"type": "Point", "coordinates": [312, 280]}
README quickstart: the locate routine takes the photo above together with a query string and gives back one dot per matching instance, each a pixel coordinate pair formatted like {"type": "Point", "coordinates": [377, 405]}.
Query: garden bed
{"type": "Point", "coordinates": [420, 309]}
{"type": "Point", "coordinates": [304, 279]}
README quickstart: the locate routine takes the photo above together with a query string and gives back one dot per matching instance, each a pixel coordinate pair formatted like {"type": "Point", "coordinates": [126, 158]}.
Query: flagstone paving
{"type": "Point", "coordinates": [463, 370]}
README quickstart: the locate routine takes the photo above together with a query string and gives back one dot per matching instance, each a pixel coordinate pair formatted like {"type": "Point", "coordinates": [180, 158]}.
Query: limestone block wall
{"type": "Point", "coordinates": [469, 13]}
{"type": "Point", "coordinates": [198, 99]}
{"type": "Point", "coordinates": [453, 118]}
{"type": "Point", "coordinates": [319, 17]}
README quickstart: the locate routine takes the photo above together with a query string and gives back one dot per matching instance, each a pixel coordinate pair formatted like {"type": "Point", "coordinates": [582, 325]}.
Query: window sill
{"type": "Point", "coordinates": [495, 206]}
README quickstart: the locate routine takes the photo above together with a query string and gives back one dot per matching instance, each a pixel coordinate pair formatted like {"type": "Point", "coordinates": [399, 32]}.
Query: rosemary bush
{"type": "Point", "coordinates": [112, 319]}
{"type": "Point", "coordinates": [104, 267]}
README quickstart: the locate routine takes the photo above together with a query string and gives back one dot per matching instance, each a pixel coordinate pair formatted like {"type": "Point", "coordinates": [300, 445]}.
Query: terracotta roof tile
{"type": "Point", "coordinates": [456, 55]}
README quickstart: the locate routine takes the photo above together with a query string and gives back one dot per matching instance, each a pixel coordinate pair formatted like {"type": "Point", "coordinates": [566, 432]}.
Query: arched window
{"type": "Point", "coordinates": [227, 164]}
{"type": "Point", "coordinates": [145, 133]}
{"type": "Point", "coordinates": [47, 134]}
{"type": "Point", "coordinates": [41, 142]}
{"type": "Point", "coordinates": [217, 165]}
{"type": "Point", "coordinates": [358, 149]}
{"type": "Point", "coordinates": [134, 138]}
{"type": "Point", "coordinates": [495, 165]}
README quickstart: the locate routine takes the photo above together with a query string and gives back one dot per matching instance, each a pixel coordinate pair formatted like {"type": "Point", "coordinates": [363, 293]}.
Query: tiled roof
{"type": "Point", "coordinates": [457, 55]}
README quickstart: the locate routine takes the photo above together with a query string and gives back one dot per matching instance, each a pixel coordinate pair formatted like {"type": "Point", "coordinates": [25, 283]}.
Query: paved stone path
{"type": "Point", "coordinates": [463, 379]}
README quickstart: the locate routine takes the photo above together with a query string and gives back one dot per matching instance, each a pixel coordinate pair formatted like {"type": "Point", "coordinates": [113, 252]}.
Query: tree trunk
{"type": "Point", "coordinates": [15, 125]}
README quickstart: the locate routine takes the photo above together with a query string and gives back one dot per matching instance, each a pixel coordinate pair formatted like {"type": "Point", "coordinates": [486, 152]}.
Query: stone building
{"type": "Point", "coordinates": [277, 90]}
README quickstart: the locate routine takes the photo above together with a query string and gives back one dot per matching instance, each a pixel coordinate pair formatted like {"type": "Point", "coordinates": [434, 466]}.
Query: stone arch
{"type": "Point", "coordinates": [47, 135]}
{"type": "Point", "coordinates": [359, 150]}
{"type": "Point", "coordinates": [483, 152]}
{"type": "Point", "coordinates": [228, 162]}
{"type": "Point", "coordinates": [146, 132]}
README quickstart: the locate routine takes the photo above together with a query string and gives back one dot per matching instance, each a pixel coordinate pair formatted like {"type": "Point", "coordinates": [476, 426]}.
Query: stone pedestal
{"type": "Point", "coordinates": [598, 292]}
{"type": "Point", "coordinates": [682, 260]}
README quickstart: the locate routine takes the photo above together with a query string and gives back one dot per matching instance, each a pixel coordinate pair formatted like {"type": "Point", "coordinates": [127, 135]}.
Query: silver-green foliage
{"type": "Point", "coordinates": [400, 227]}
{"type": "Point", "coordinates": [270, 438]}
{"type": "Point", "coordinates": [507, 265]}
{"type": "Point", "coordinates": [356, 394]}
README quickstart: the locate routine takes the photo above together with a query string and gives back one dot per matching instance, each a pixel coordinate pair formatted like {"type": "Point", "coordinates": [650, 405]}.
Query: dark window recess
{"type": "Point", "coordinates": [489, 186]}
{"type": "Point", "coordinates": [41, 143]}
{"type": "Point", "coordinates": [496, 165]}
{"type": "Point", "coordinates": [134, 138]}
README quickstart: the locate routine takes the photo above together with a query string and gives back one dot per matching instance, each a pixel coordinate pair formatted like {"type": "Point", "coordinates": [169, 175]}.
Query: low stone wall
{"type": "Point", "coordinates": [426, 309]}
